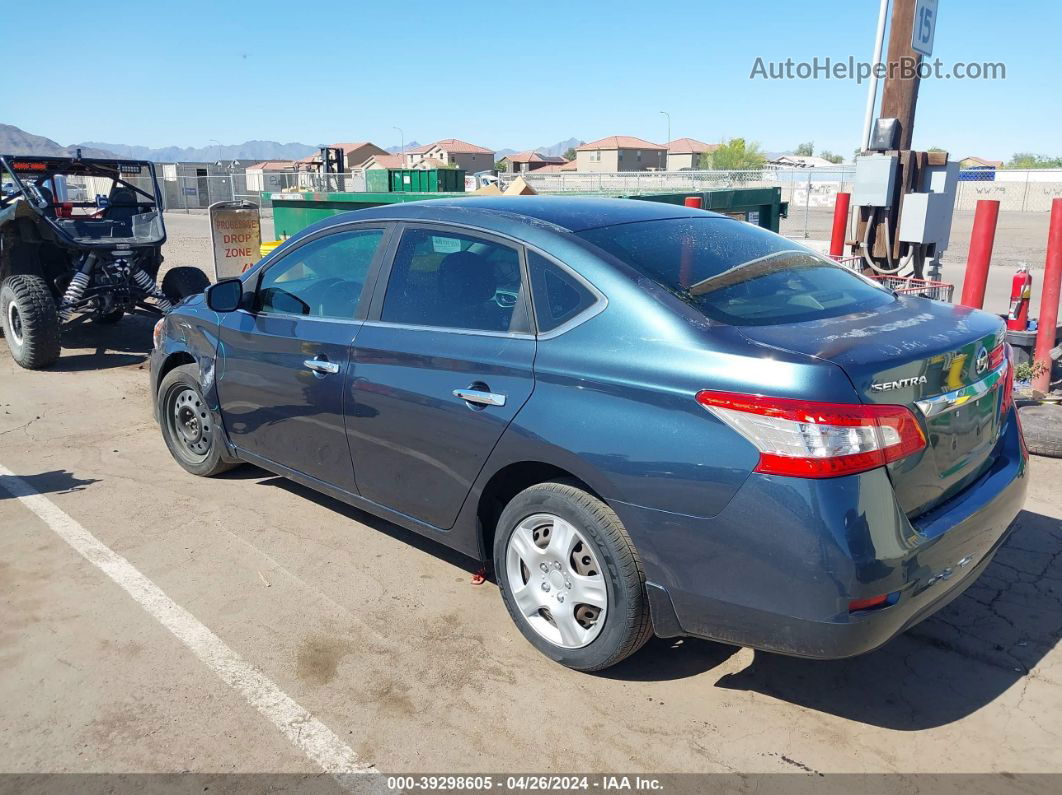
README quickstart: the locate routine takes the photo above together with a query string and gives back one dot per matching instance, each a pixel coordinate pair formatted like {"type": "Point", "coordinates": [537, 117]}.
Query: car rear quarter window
{"type": "Point", "coordinates": [455, 280]}
{"type": "Point", "coordinates": [558, 296]}
{"type": "Point", "coordinates": [736, 272]}
{"type": "Point", "coordinates": [323, 278]}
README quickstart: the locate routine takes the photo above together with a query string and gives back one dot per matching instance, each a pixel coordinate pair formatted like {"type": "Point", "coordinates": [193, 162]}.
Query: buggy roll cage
{"type": "Point", "coordinates": [47, 167]}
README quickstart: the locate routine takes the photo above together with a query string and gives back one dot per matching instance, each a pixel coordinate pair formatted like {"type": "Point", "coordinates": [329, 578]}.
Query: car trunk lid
{"type": "Point", "coordinates": [944, 362]}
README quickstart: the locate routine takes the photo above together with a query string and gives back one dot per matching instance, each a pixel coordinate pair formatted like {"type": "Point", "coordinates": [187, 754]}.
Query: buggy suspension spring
{"type": "Point", "coordinates": [147, 284]}
{"type": "Point", "coordinates": [75, 291]}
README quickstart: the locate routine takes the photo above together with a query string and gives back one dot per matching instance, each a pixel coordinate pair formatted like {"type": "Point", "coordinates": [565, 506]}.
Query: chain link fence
{"type": "Point", "coordinates": [188, 191]}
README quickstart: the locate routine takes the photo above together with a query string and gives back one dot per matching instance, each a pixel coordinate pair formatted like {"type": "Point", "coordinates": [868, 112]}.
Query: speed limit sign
{"type": "Point", "coordinates": [925, 25]}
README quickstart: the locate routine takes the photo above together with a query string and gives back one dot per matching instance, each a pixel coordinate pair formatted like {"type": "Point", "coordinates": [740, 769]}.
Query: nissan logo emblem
{"type": "Point", "coordinates": [982, 360]}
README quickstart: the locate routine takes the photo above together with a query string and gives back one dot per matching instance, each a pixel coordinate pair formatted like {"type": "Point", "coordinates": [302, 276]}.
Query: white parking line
{"type": "Point", "coordinates": [306, 732]}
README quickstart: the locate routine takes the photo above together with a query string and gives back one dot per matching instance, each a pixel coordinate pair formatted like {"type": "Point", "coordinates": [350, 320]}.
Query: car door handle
{"type": "Point", "coordinates": [480, 396]}
{"type": "Point", "coordinates": [322, 366]}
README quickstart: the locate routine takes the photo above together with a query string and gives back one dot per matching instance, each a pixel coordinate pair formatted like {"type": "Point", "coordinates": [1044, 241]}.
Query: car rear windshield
{"type": "Point", "coordinates": [736, 272]}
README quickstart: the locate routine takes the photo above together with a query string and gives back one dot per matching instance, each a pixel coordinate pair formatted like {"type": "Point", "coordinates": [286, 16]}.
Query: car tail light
{"type": "Point", "coordinates": [817, 440]}
{"type": "Point", "coordinates": [1008, 382]}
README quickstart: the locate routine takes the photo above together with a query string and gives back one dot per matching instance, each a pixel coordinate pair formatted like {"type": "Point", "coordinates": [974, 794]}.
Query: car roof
{"type": "Point", "coordinates": [574, 213]}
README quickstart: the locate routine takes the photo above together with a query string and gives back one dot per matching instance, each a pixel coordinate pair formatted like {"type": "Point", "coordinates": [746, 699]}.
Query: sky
{"type": "Point", "coordinates": [510, 75]}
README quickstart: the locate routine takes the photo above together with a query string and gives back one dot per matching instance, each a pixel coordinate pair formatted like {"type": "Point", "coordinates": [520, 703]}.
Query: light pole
{"type": "Point", "coordinates": [667, 143]}
{"type": "Point", "coordinates": [402, 145]}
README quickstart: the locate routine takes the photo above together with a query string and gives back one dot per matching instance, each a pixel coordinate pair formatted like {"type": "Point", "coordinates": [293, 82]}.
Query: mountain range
{"type": "Point", "coordinates": [16, 141]}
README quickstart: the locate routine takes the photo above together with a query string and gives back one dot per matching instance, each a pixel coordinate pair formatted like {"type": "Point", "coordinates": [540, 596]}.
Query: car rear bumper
{"type": "Point", "coordinates": [777, 568]}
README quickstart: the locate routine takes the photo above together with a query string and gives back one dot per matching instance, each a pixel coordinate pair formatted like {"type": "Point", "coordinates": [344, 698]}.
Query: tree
{"type": "Point", "coordinates": [570, 154]}
{"type": "Point", "coordinates": [826, 154]}
{"type": "Point", "coordinates": [734, 155]}
{"type": "Point", "coordinates": [1031, 160]}
{"type": "Point", "coordinates": [806, 149]}
{"type": "Point", "coordinates": [501, 166]}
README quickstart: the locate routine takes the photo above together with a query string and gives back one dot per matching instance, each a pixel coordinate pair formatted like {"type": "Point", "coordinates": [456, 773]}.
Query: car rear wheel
{"type": "Point", "coordinates": [188, 424]}
{"type": "Point", "coordinates": [570, 577]}
{"type": "Point", "coordinates": [30, 320]}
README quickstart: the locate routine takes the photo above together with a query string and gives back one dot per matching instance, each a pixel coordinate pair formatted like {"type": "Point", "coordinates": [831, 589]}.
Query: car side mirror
{"type": "Point", "coordinates": [225, 296]}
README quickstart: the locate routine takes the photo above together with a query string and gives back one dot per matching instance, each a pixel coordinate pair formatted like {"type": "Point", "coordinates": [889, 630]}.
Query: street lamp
{"type": "Point", "coordinates": [402, 138]}
{"type": "Point", "coordinates": [665, 113]}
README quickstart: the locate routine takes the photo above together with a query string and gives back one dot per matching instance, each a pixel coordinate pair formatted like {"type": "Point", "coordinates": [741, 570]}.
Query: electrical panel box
{"type": "Point", "coordinates": [925, 217]}
{"type": "Point", "coordinates": [875, 179]}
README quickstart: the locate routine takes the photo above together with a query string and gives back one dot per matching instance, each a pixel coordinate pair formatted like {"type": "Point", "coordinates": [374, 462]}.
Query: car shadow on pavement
{"type": "Point", "coordinates": [945, 668]}
{"type": "Point", "coordinates": [117, 345]}
{"type": "Point", "coordinates": [396, 532]}
{"type": "Point", "coordinates": [58, 481]}
{"type": "Point", "coordinates": [950, 665]}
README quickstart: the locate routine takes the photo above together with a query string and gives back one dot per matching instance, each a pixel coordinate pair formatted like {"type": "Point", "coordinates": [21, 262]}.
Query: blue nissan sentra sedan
{"type": "Point", "coordinates": [650, 418]}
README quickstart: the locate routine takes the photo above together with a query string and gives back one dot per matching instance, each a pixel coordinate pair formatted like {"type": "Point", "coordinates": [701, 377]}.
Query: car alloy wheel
{"type": "Point", "coordinates": [557, 580]}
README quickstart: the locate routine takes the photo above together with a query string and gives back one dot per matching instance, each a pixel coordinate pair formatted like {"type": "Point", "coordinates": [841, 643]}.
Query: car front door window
{"type": "Point", "coordinates": [323, 278]}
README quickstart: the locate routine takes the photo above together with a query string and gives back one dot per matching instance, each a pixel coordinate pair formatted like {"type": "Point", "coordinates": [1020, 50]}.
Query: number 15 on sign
{"type": "Point", "coordinates": [925, 25]}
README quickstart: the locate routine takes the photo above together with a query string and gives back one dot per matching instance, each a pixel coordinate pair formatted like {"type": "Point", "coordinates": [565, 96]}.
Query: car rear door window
{"type": "Point", "coordinates": [558, 296]}
{"type": "Point", "coordinates": [455, 280]}
{"type": "Point", "coordinates": [736, 272]}
{"type": "Point", "coordinates": [323, 278]}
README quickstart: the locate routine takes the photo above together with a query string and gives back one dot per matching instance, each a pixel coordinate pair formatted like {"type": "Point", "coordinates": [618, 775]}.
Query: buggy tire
{"type": "Point", "coordinates": [1042, 427]}
{"type": "Point", "coordinates": [627, 624]}
{"type": "Point", "coordinates": [179, 283]}
{"type": "Point", "coordinates": [180, 392]}
{"type": "Point", "coordinates": [30, 321]}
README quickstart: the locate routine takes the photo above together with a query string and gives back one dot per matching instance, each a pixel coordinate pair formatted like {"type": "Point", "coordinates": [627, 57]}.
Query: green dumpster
{"type": "Point", "coordinates": [293, 212]}
{"type": "Point", "coordinates": [761, 206]}
{"type": "Point", "coordinates": [433, 180]}
{"type": "Point", "coordinates": [378, 180]}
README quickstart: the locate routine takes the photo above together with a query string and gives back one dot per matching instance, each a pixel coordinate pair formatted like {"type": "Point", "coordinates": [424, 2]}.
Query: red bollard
{"type": "Point", "coordinates": [1048, 322]}
{"type": "Point", "coordinates": [840, 224]}
{"type": "Point", "coordinates": [696, 202]}
{"type": "Point", "coordinates": [981, 241]}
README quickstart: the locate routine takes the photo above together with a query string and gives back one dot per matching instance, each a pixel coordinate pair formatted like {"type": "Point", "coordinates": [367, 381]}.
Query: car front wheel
{"type": "Point", "coordinates": [188, 424]}
{"type": "Point", "coordinates": [570, 576]}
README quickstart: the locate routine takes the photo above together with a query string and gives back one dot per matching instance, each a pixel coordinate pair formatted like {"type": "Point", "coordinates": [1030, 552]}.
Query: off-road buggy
{"type": "Point", "coordinates": [80, 237]}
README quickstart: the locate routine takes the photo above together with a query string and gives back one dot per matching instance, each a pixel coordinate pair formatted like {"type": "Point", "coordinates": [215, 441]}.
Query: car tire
{"type": "Point", "coordinates": [1042, 427]}
{"type": "Point", "coordinates": [179, 283]}
{"type": "Point", "coordinates": [30, 321]}
{"type": "Point", "coordinates": [626, 625]}
{"type": "Point", "coordinates": [187, 424]}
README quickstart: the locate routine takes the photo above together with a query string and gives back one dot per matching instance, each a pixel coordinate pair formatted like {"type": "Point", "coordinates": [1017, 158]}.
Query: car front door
{"type": "Point", "coordinates": [284, 360]}
{"type": "Point", "coordinates": [440, 369]}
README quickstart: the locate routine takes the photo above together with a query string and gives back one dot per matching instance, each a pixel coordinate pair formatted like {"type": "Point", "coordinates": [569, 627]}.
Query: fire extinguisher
{"type": "Point", "coordinates": [1020, 293]}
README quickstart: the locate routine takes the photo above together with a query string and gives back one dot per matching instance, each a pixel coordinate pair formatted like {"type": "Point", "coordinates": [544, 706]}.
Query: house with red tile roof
{"type": "Point", "coordinates": [621, 153]}
{"type": "Point", "coordinates": [452, 152]}
{"type": "Point", "coordinates": [530, 160]}
{"type": "Point", "coordinates": [684, 153]}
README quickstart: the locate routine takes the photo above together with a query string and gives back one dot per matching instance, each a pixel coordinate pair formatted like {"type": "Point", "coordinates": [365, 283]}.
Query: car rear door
{"type": "Point", "coordinates": [284, 361]}
{"type": "Point", "coordinates": [440, 368]}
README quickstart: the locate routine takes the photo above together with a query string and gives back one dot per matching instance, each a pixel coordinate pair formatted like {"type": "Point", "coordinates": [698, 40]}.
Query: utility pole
{"type": "Point", "coordinates": [900, 94]}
